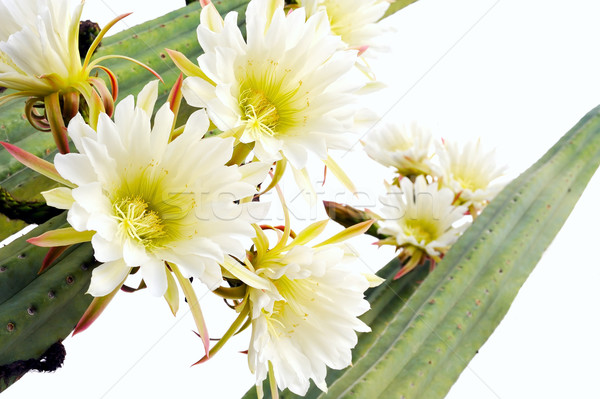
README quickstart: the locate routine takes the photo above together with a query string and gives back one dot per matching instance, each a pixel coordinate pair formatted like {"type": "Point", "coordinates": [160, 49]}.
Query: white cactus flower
{"type": "Point", "coordinates": [355, 21]}
{"type": "Point", "coordinates": [286, 89]}
{"type": "Point", "coordinates": [407, 148]}
{"type": "Point", "coordinates": [39, 45]}
{"type": "Point", "coordinates": [470, 173]}
{"type": "Point", "coordinates": [148, 200]}
{"type": "Point", "coordinates": [420, 219]}
{"type": "Point", "coordinates": [303, 302]}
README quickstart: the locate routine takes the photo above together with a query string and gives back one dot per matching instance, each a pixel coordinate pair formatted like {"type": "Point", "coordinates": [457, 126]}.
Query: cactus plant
{"type": "Point", "coordinates": [38, 311]}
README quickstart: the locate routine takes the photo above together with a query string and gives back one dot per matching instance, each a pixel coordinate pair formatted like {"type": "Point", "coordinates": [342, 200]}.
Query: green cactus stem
{"type": "Point", "coordinates": [37, 311]}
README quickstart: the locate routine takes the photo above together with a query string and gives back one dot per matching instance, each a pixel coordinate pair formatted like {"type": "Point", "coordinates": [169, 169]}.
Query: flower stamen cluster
{"type": "Point", "coordinates": [136, 221]}
{"type": "Point", "coordinates": [261, 114]}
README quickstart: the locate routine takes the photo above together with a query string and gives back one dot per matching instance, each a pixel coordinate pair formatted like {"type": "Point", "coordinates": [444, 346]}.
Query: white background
{"type": "Point", "coordinates": [518, 74]}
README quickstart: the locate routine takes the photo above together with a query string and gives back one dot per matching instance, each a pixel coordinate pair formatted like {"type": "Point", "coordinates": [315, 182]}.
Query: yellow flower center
{"type": "Point", "coordinates": [402, 144]}
{"type": "Point", "coordinates": [261, 114]}
{"type": "Point", "coordinates": [421, 230]}
{"type": "Point", "coordinates": [276, 321]}
{"type": "Point", "coordinates": [470, 181]}
{"type": "Point", "coordinates": [298, 295]}
{"type": "Point", "coordinates": [138, 222]}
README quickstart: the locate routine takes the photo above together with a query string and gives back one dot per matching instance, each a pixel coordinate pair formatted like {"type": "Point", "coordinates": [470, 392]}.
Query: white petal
{"type": "Point", "coordinates": [78, 217]}
{"type": "Point", "coordinates": [211, 19]}
{"type": "Point", "coordinates": [147, 97]}
{"type": "Point", "coordinates": [133, 253]}
{"type": "Point", "coordinates": [154, 275]}
{"type": "Point", "coordinates": [161, 131]}
{"type": "Point", "coordinates": [59, 197]}
{"type": "Point", "coordinates": [91, 198]}
{"type": "Point", "coordinates": [255, 173]}
{"type": "Point", "coordinates": [106, 251]}
{"type": "Point", "coordinates": [78, 129]}
{"type": "Point", "coordinates": [197, 91]}
{"type": "Point", "coordinates": [75, 168]}
{"type": "Point", "coordinates": [197, 124]}
{"type": "Point", "coordinates": [296, 154]}
{"type": "Point", "coordinates": [107, 277]}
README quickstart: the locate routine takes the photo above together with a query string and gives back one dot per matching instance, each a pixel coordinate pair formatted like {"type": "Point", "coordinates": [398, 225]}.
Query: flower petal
{"type": "Point", "coordinates": [106, 277]}
{"type": "Point", "coordinates": [154, 274]}
{"type": "Point", "coordinates": [59, 197]}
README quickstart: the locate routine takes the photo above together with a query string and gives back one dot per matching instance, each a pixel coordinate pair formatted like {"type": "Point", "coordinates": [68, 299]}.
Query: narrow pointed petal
{"type": "Point", "coordinates": [35, 163]}
{"type": "Point", "coordinates": [147, 97]}
{"type": "Point", "coordinates": [95, 310]}
{"type": "Point", "coordinates": [172, 294]}
{"type": "Point", "coordinates": [310, 233]}
{"type": "Point", "coordinates": [374, 280]}
{"type": "Point", "coordinates": [52, 255]}
{"type": "Point", "coordinates": [348, 233]}
{"type": "Point", "coordinates": [61, 237]}
{"type": "Point", "coordinates": [59, 197]}
{"type": "Point", "coordinates": [245, 275]}
{"type": "Point", "coordinates": [194, 305]}
{"type": "Point", "coordinates": [175, 97]}
{"type": "Point", "coordinates": [231, 331]}
{"type": "Point", "coordinates": [186, 66]}
{"type": "Point", "coordinates": [280, 168]}
{"type": "Point", "coordinates": [339, 173]}
{"type": "Point", "coordinates": [98, 38]}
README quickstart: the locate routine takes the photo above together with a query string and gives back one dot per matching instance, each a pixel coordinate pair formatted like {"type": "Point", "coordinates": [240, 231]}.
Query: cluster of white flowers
{"type": "Point", "coordinates": [438, 190]}
{"type": "Point", "coordinates": [172, 204]}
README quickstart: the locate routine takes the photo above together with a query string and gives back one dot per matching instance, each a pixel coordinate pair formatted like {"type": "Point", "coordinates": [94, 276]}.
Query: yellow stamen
{"type": "Point", "coordinates": [261, 114]}
{"type": "Point", "coordinates": [138, 222]}
{"type": "Point", "coordinates": [470, 181]}
{"type": "Point", "coordinates": [421, 230]}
